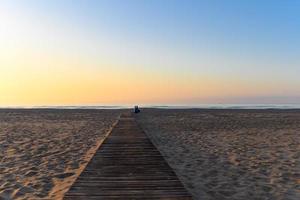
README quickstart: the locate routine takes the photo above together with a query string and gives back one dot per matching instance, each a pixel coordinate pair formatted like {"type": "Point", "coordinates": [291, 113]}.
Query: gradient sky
{"type": "Point", "coordinates": [75, 52]}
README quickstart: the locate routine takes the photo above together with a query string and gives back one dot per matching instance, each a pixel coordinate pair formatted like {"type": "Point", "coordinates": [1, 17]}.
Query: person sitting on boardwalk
{"type": "Point", "coordinates": [136, 109]}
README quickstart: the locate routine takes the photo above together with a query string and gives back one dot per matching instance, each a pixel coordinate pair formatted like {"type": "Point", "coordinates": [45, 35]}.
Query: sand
{"type": "Point", "coordinates": [43, 151]}
{"type": "Point", "coordinates": [218, 154]}
{"type": "Point", "coordinates": [230, 154]}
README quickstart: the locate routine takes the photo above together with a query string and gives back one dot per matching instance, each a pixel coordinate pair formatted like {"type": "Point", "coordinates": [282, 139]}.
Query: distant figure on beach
{"type": "Point", "coordinates": [136, 109]}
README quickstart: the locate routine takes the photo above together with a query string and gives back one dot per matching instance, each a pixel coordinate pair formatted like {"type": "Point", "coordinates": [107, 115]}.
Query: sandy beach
{"type": "Point", "coordinates": [218, 154]}
{"type": "Point", "coordinates": [43, 151]}
{"type": "Point", "coordinates": [230, 154]}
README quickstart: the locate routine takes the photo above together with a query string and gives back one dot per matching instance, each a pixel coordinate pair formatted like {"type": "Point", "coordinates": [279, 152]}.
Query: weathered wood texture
{"type": "Point", "coordinates": [127, 166]}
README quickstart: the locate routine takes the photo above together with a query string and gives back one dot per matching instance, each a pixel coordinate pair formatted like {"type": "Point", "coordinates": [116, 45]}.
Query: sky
{"type": "Point", "coordinates": [115, 52]}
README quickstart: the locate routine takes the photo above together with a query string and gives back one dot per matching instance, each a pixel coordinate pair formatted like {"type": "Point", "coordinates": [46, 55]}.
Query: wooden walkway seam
{"type": "Point", "coordinates": [127, 166]}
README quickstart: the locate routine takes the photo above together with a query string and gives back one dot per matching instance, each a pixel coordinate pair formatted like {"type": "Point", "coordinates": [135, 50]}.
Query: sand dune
{"type": "Point", "coordinates": [42, 151]}
{"type": "Point", "coordinates": [230, 154]}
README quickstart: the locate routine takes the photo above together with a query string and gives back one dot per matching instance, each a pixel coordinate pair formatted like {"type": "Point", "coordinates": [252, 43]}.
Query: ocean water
{"type": "Point", "coordinates": [233, 106]}
{"type": "Point", "coordinates": [203, 106]}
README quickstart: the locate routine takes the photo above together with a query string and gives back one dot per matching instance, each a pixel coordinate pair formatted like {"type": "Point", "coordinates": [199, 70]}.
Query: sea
{"type": "Point", "coordinates": [181, 106]}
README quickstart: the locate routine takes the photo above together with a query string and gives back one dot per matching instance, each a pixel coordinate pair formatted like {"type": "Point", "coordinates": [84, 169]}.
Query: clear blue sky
{"type": "Point", "coordinates": [245, 51]}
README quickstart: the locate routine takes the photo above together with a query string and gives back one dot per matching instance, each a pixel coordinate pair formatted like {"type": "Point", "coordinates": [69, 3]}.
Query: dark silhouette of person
{"type": "Point", "coordinates": [136, 109]}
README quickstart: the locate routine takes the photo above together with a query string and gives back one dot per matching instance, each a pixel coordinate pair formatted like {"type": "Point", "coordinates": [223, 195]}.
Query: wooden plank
{"type": "Point", "coordinates": [127, 166]}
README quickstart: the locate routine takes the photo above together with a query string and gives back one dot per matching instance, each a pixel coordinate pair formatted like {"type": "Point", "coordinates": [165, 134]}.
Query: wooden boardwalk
{"type": "Point", "coordinates": [127, 166]}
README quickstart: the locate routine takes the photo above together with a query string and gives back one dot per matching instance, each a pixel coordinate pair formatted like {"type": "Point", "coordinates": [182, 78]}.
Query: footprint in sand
{"type": "Point", "coordinates": [64, 175]}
